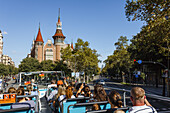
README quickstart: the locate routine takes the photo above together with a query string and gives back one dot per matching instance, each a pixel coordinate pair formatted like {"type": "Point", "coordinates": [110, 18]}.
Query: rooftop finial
{"type": "Point", "coordinates": [39, 25]}
{"type": "Point", "coordinates": [59, 13]}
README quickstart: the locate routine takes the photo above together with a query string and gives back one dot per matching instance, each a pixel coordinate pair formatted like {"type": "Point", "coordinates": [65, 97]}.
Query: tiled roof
{"type": "Point", "coordinates": [39, 37]}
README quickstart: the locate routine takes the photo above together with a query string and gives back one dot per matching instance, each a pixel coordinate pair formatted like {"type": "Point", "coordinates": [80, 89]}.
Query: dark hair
{"type": "Point", "coordinates": [29, 88]}
{"type": "Point", "coordinates": [12, 90]}
{"type": "Point", "coordinates": [20, 92]}
{"type": "Point", "coordinates": [86, 91]}
{"type": "Point", "coordinates": [53, 81]}
{"type": "Point", "coordinates": [115, 98]}
{"type": "Point", "coordinates": [21, 87]}
{"type": "Point", "coordinates": [99, 93]}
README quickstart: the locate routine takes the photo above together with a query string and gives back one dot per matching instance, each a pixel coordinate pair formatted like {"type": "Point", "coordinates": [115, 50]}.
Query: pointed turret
{"type": "Point", "coordinates": [39, 36]}
{"type": "Point", "coordinates": [58, 33]}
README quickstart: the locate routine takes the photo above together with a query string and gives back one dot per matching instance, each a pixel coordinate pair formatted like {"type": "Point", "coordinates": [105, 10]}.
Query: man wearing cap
{"type": "Point", "coordinates": [139, 101]}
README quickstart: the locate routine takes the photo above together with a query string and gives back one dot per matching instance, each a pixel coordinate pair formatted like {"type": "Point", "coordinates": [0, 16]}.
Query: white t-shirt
{"type": "Point", "coordinates": [62, 97]}
{"type": "Point", "coordinates": [142, 109]}
{"type": "Point", "coordinates": [52, 85]}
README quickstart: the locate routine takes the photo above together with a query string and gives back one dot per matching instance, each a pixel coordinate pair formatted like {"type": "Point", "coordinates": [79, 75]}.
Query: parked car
{"type": "Point", "coordinates": [102, 82]}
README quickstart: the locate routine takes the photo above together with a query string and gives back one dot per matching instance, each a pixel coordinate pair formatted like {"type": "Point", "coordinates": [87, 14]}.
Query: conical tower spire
{"type": "Point", "coordinates": [58, 32]}
{"type": "Point", "coordinates": [39, 36]}
{"type": "Point", "coordinates": [59, 16]}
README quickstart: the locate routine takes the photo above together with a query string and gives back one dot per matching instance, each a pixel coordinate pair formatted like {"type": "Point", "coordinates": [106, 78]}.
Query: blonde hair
{"type": "Point", "coordinates": [137, 93]}
{"type": "Point", "coordinates": [69, 92]}
{"type": "Point", "coordinates": [61, 91]}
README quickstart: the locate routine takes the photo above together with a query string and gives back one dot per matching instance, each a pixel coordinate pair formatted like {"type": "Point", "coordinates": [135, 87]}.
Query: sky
{"type": "Point", "coordinates": [100, 22]}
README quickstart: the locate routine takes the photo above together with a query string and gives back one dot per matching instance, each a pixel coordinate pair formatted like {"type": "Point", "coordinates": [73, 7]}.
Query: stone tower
{"type": "Point", "coordinates": [58, 39]}
{"type": "Point", "coordinates": [38, 47]}
{"type": "Point", "coordinates": [1, 46]}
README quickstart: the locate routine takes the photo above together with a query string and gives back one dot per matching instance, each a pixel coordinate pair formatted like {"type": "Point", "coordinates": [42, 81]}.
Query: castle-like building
{"type": "Point", "coordinates": [49, 51]}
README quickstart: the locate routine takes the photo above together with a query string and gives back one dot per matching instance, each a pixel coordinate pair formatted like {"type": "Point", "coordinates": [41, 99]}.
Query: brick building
{"type": "Point", "coordinates": [49, 51]}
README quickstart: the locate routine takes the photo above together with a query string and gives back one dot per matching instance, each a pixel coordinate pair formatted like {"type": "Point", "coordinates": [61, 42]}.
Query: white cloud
{"type": "Point", "coordinates": [5, 33]}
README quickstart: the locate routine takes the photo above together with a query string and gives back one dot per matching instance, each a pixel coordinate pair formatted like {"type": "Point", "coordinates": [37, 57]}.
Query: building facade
{"type": "Point", "coordinates": [5, 59]}
{"type": "Point", "coordinates": [1, 46]}
{"type": "Point", "coordinates": [50, 50]}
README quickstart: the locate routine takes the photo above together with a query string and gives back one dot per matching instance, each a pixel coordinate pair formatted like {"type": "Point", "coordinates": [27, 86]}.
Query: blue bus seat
{"type": "Point", "coordinates": [16, 108]}
{"type": "Point", "coordinates": [106, 106]}
{"type": "Point", "coordinates": [66, 104]}
{"type": "Point", "coordinates": [81, 107]}
{"type": "Point", "coordinates": [5, 106]}
{"type": "Point", "coordinates": [71, 101]}
{"type": "Point", "coordinates": [77, 109]}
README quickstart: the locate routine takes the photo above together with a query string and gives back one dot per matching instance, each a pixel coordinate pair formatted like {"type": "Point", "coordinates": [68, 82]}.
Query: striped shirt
{"type": "Point", "coordinates": [142, 109]}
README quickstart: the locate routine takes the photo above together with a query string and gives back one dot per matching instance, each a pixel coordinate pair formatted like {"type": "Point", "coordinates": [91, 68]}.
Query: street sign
{"type": "Point", "coordinates": [139, 61]}
{"type": "Point", "coordinates": [72, 74]}
{"type": "Point", "coordinates": [77, 74]}
{"type": "Point", "coordinates": [136, 75]}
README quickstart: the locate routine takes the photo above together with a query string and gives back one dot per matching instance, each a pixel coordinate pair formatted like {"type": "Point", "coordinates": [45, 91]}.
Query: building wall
{"type": "Point", "coordinates": [1, 47]}
{"type": "Point", "coordinates": [49, 51]}
{"type": "Point", "coordinates": [39, 51]}
{"type": "Point", "coordinates": [7, 60]}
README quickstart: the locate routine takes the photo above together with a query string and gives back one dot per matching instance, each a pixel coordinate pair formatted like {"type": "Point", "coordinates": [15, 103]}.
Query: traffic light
{"type": "Point", "coordinates": [134, 61]}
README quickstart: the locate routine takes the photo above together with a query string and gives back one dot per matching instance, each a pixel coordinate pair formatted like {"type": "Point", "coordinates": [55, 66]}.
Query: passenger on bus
{"type": "Point", "coordinates": [12, 90]}
{"type": "Point", "coordinates": [21, 87]}
{"type": "Point", "coordinates": [29, 88]}
{"type": "Point", "coordinates": [69, 94]}
{"type": "Point", "coordinates": [99, 93]}
{"type": "Point", "coordinates": [20, 92]}
{"type": "Point", "coordinates": [139, 101]}
{"type": "Point", "coordinates": [84, 91]}
{"type": "Point", "coordinates": [119, 111]}
{"type": "Point", "coordinates": [55, 91]}
{"type": "Point", "coordinates": [59, 96]}
{"type": "Point", "coordinates": [114, 99]}
{"type": "Point", "coordinates": [53, 84]}
{"type": "Point", "coordinates": [65, 82]}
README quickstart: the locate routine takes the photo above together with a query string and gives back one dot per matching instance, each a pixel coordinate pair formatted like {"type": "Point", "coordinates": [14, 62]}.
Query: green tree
{"type": "Point", "coordinates": [152, 43]}
{"type": "Point", "coordinates": [61, 66]}
{"type": "Point", "coordinates": [82, 58]}
{"type": "Point", "coordinates": [119, 62]}
{"type": "Point", "coordinates": [12, 69]}
{"type": "Point", "coordinates": [29, 64]}
{"type": "Point", "coordinates": [4, 70]}
{"type": "Point", "coordinates": [47, 65]}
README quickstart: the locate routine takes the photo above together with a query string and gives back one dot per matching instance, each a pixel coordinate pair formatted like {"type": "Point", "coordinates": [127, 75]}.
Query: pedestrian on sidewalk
{"type": "Point", "coordinates": [139, 101]}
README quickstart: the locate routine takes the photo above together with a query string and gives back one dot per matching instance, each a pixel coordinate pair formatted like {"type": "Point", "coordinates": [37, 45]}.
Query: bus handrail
{"type": "Point", "coordinates": [29, 96]}
{"type": "Point", "coordinates": [147, 94]}
{"type": "Point", "coordinates": [87, 104]}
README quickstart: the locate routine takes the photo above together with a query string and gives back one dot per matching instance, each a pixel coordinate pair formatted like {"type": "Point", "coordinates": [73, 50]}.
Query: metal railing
{"type": "Point", "coordinates": [147, 94]}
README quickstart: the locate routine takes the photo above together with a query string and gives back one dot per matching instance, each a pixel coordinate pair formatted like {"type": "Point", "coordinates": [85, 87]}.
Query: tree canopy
{"type": "Point", "coordinates": [82, 58]}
